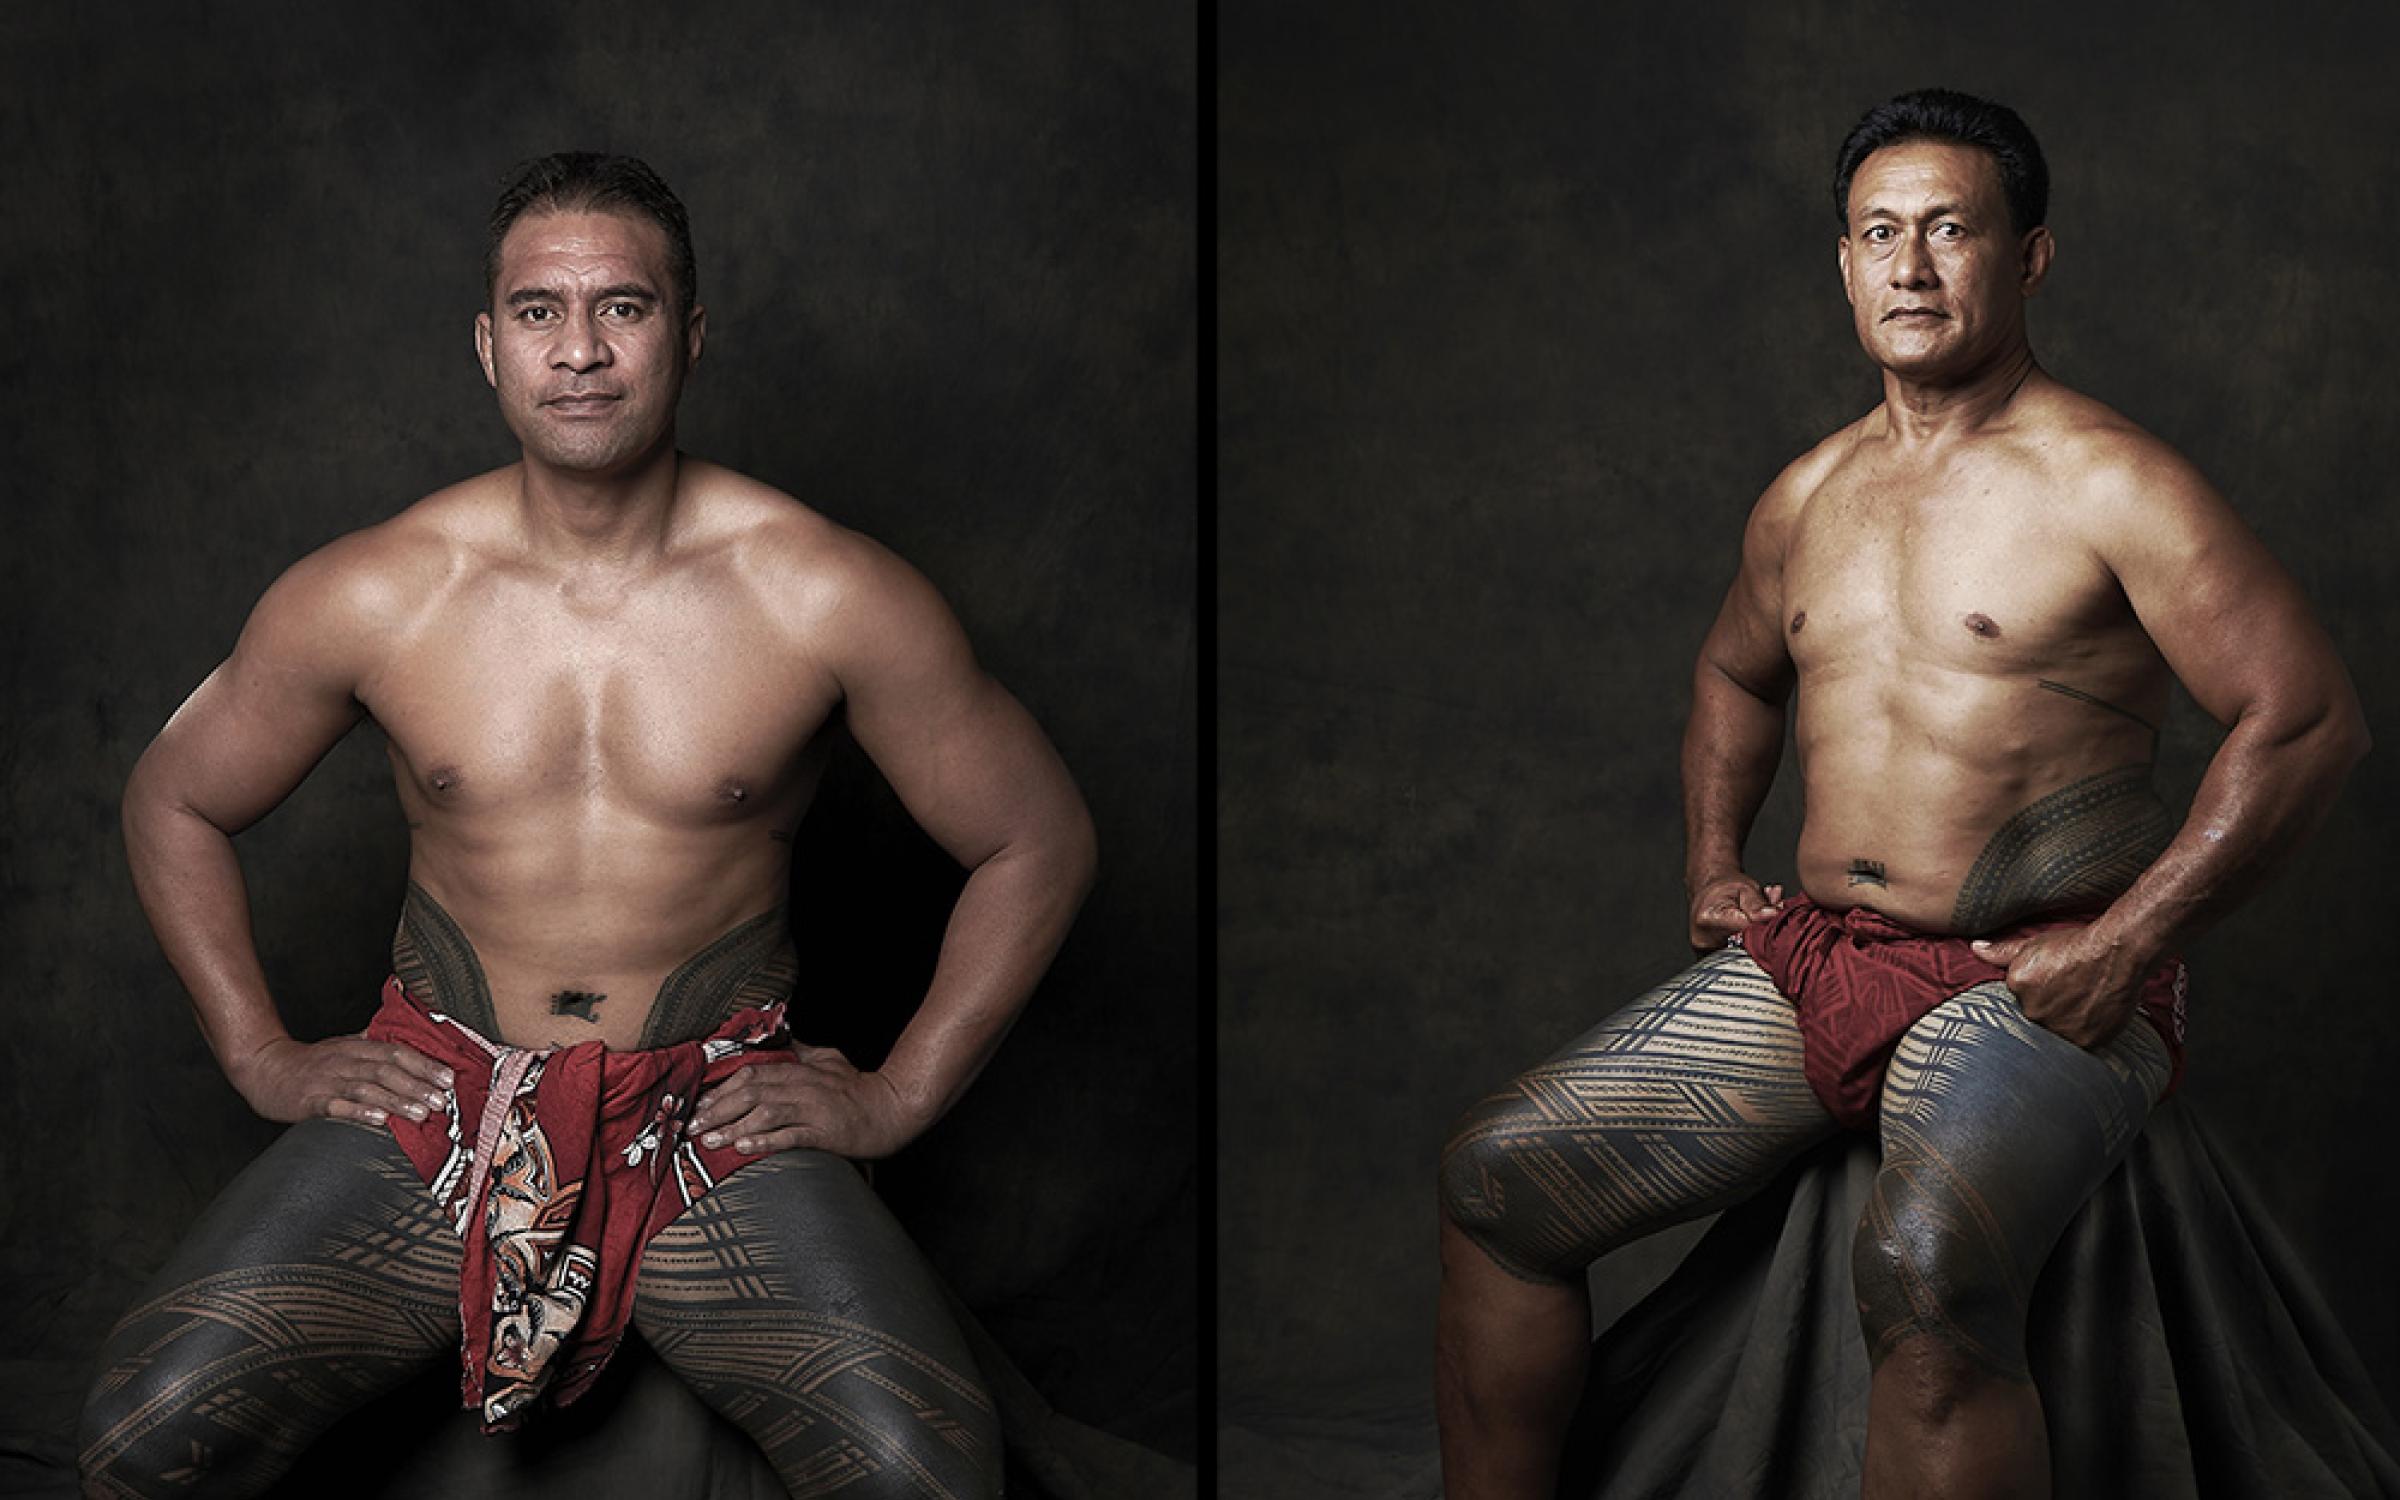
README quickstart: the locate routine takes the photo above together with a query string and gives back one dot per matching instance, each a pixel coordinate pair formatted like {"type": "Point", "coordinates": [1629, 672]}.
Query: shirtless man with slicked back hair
{"type": "Point", "coordinates": [604, 672]}
{"type": "Point", "coordinates": [1976, 596]}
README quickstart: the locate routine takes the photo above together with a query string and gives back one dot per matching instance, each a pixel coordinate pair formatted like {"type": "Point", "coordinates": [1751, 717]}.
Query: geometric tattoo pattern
{"type": "Point", "coordinates": [326, 1276]}
{"type": "Point", "coordinates": [2084, 843]}
{"type": "Point", "coordinates": [1684, 1102]}
{"type": "Point", "coordinates": [228, 1375]}
{"type": "Point", "coordinates": [1995, 1132]}
{"type": "Point", "coordinates": [846, 1369]}
{"type": "Point", "coordinates": [753, 966]}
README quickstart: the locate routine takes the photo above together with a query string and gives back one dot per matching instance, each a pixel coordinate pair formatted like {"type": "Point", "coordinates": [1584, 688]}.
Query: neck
{"type": "Point", "coordinates": [620, 517]}
{"type": "Point", "coordinates": [1921, 411]}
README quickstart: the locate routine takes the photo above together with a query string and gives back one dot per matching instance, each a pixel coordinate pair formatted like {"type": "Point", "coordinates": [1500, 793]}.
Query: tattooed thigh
{"type": "Point", "coordinates": [320, 1279]}
{"type": "Point", "coordinates": [1995, 1131]}
{"type": "Point", "coordinates": [1685, 1101]}
{"type": "Point", "coordinates": [796, 1306]}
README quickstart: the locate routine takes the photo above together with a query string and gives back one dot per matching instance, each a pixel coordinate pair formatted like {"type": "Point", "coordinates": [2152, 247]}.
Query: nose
{"type": "Point", "coordinates": [1912, 263]}
{"type": "Point", "coordinates": [581, 344]}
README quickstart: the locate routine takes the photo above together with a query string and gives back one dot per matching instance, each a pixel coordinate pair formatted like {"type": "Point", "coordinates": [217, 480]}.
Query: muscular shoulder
{"type": "Point", "coordinates": [835, 594]}
{"type": "Point", "coordinates": [341, 606]}
{"type": "Point", "coordinates": [2115, 483]}
{"type": "Point", "coordinates": [1780, 508]}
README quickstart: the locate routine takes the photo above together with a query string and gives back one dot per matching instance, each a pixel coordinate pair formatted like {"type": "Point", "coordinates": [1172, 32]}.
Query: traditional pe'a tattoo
{"type": "Point", "coordinates": [438, 965]}
{"type": "Point", "coordinates": [2084, 843]}
{"type": "Point", "coordinates": [577, 1003]}
{"type": "Point", "coordinates": [1995, 1131]}
{"type": "Point", "coordinates": [1683, 1102]}
{"type": "Point", "coordinates": [1867, 872]}
{"type": "Point", "coordinates": [754, 965]}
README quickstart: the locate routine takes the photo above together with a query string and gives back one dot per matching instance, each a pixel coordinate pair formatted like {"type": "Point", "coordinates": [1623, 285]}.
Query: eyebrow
{"type": "Point", "coordinates": [632, 291]}
{"type": "Point", "coordinates": [1936, 211]}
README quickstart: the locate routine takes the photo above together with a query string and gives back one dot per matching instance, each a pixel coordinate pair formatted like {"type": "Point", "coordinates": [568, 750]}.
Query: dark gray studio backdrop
{"type": "Point", "coordinates": [950, 259]}
{"type": "Point", "coordinates": [1518, 315]}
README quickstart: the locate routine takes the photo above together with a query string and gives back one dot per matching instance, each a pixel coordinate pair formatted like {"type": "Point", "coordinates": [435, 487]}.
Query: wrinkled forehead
{"type": "Point", "coordinates": [1908, 178]}
{"type": "Point", "coordinates": [563, 250]}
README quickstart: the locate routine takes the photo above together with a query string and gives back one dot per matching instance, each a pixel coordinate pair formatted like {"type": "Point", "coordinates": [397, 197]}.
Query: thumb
{"type": "Point", "coordinates": [2001, 951]}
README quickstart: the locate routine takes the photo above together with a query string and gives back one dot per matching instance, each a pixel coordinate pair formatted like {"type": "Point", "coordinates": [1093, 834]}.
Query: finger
{"type": "Point", "coordinates": [2002, 951]}
{"type": "Point", "coordinates": [339, 1108]}
{"type": "Point", "coordinates": [761, 1120]}
{"type": "Point", "coordinates": [416, 1065]}
{"type": "Point", "coordinates": [403, 1084]}
{"type": "Point", "coordinates": [375, 1096]}
{"type": "Point", "coordinates": [767, 1143]}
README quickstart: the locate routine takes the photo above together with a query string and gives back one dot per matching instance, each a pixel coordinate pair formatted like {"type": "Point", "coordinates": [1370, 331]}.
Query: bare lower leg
{"type": "Point", "coordinates": [1939, 1425]}
{"type": "Point", "coordinates": [1508, 1369]}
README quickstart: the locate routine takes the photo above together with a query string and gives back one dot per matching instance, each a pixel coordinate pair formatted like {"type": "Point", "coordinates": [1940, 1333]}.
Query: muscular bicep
{"type": "Point", "coordinates": [965, 757]}
{"type": "Point", "coordinates": [1745, 643]}
{"type": "Point", "coordinates": [252, 731]}
{"type": "Point", "coordinates": [2232, 625]}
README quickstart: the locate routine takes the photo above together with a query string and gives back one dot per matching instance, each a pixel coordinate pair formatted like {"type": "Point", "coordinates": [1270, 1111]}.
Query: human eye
{"type": "Point", "coordinates": [623, 310]}
{"type": "Point", "coordinates": [1951, 229]}
{"type": "Point", "coordinates": [535, 313]}
{"type": "Point", "coordinates": [1877, 234]}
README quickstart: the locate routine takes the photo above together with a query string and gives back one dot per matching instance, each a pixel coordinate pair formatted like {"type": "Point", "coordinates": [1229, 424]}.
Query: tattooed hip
{"type": "Point", "coordinates": [752, 966]}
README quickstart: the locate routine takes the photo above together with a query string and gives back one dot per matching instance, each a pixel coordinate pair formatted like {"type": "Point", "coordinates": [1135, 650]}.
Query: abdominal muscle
{"type": "Point", "coordinates": [1960, 804]}
{"type": "Point", "coordinates": [574, 935]}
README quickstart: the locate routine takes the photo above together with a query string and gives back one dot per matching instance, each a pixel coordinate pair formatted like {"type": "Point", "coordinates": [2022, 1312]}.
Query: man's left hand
{"type": "Point", "coordinates": [2079, 986]}
{"type": "Point", "coordinates": [819, 1102]}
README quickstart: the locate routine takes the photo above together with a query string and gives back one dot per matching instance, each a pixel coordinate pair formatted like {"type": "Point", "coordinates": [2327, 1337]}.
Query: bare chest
{"type": "Point", "coordinates": [1957, 570]}
{"type": "Point", "coordinates": [681, 708]}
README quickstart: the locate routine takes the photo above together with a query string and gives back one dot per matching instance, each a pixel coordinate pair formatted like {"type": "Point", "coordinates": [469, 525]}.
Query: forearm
{"type": "Point", "coordinates": [1731, 749]}
{"type": "Point", "coordinates": [191, 888]}
{"type": "Point", "coordinates": [1010, 919]}
{"type": "Point", "coordinates": [2269, 786]}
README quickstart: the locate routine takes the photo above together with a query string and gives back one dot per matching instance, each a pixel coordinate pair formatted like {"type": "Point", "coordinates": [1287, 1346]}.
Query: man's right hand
{"type": "Point", "coordinates": [1728, 904]}
{"type": "Point", "coordinates": [342, 1078]}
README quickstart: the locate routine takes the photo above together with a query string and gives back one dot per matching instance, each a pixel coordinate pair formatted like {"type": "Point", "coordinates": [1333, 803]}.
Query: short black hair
{"type": "Point", "coordinates": [566, 181]}
{"type": "Point", "coordinates": [1945, 115]}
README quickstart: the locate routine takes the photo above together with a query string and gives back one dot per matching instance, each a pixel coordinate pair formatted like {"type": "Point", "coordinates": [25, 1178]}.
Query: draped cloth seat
{"type": "Point", "coordinates": [2180, 1347]}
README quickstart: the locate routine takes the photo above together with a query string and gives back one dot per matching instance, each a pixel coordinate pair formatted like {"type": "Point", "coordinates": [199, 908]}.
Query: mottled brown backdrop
{"type": "Point", "coordinates": [950, 259]}
{"type": "Point", "coordinates": [1521, 306]}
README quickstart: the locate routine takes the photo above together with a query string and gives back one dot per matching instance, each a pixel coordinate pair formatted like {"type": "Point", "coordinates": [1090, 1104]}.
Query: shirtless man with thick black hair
{"type": "Point", "coordinates": [1979, 592]}
{"type": "Point", "coordinates": [604, 673]}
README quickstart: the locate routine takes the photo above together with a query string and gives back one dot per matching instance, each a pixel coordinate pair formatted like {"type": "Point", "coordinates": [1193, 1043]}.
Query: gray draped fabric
{"type": "Point", "coordinates": [2180, 1348]}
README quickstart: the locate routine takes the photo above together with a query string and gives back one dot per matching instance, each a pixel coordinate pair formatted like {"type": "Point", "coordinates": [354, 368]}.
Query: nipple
{"type": "Point", "coordinates": [732, 791]}
{"type": "Point", "coordinates": [1983, 625]}
{"type": "Point", "coordinates": [444, 778]}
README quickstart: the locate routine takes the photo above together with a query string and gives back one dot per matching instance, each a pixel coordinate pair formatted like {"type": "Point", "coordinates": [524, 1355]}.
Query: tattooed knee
{"type": "Point", "coordinates": [1926, 1264]}
{"type": "Point", "coordinates": [1489, 1196]}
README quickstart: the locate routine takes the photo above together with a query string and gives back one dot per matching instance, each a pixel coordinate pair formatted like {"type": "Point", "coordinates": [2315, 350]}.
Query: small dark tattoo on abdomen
{"type": "Point", "coordinates": [577, 1003]}
{"type": "Point", "coordinates": [1867, 872]}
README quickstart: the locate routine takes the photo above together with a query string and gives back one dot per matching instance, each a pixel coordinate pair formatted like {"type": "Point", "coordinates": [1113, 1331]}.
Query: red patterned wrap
{"type": "Point", "coordinates": [1858, 980]}
{"type": "Point", "coordinates": [556, 1167]}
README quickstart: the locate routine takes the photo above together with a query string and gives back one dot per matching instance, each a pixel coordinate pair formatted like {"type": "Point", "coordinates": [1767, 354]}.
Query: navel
{"type": "Point", "coordinates": [1983, 625]}
{"type": "Point", "coordinates": [1799, 618]}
